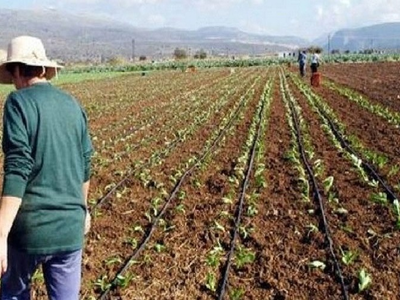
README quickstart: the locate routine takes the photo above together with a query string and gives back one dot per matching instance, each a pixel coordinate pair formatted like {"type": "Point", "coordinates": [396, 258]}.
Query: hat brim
{"type": "Point", "coordinates": [51, 69]}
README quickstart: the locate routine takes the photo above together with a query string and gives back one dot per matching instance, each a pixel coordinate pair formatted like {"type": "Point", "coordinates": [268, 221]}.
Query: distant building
{"type": "Point", "coordinates": [287, 54]}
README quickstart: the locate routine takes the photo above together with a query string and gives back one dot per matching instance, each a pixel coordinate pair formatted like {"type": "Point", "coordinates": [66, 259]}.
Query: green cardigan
{"type": "Point", "coordinates": [47, 152]}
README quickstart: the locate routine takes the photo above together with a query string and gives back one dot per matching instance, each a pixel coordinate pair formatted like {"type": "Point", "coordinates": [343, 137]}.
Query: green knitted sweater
{"type": "Point", "coordinates": [47, 152]}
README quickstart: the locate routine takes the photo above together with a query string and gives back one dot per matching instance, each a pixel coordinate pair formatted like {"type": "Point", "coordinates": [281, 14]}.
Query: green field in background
{"type": "Point", "coordinates": [65, 79]}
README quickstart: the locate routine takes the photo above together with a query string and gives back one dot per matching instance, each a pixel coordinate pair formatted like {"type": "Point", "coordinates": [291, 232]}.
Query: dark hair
{"type": "Point", "coordinates": [24, 70]}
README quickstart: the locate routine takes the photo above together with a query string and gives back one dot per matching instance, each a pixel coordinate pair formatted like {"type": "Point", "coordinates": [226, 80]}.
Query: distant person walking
{"type": "Point", "coordinates": [302, 59]}
{"type": "Point", "coordinates": [47, 153]}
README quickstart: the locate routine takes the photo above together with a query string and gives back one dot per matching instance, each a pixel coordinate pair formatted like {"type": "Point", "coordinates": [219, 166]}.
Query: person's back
{"type": "Point", "coordinates": [56, 127]}
{"type": "Point", "coordinates": [302, 63]}
{"type": "Point", "coordinates": [302, 57]}
{"type": "Point", "coordinates": [314, 62]}
{"type": "Point", "coordinates": [315, 58]}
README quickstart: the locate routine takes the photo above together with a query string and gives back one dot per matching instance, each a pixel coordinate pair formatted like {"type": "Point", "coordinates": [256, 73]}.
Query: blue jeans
{"type": "Point", "coordinates": [62, 275]}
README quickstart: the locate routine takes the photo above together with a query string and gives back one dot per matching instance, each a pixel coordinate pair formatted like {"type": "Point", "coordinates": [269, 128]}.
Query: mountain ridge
{"type": "Point", "coordinates": [383, 36]}
{"type": "Point", "coordinates": [83, 37]}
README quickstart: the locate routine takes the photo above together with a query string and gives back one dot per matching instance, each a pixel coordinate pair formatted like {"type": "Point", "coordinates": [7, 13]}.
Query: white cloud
{"type": "Point", "coordinates": [156, 20]}
{"type": "Point", "coordinates": [334, 14]}
{"type": "Point", "coordinates": [117, 3]}
{"type": "Point", "coordinates": [208, 5]}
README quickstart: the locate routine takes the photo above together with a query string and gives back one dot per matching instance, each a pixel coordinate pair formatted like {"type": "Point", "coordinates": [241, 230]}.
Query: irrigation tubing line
{"type": "Point", "coordinates": [175, 190]}
{"type": "Point", "coordinates": [318, 196]}
{"type": "Point", "coordinates": [238, 217]}
{"type": "Point", "coordinates": [392, 196]}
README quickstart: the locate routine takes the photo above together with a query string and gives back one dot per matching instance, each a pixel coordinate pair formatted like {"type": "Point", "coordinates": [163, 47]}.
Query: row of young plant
{"type": "Point", "coordinates": [385, 163]}
{"type": "Point", "coordinates": [384, 112]}
{"type": "Point", "coordinates": [360, 155]}
{"type": "Point", "coordinates": [195, 118]}
{"type": "Point", "coordinates": [184, 105]}
{"type": "Point", "coordinates": [120, 147]}
{"type": "Point", "coordinates": [327, 117]}
{"type": "Point", "coordinates": [233, 227]}
{"type": "Point", "coordinates": [147, 97]}
{"type": "Point", "coordinates": [311, 170]}
{"type": "Point", "coordinates": [162, 201]}
{"type": "Point", "coordinates": [103, 98]}
{"type": "Point", "coordinates": [143, 175]}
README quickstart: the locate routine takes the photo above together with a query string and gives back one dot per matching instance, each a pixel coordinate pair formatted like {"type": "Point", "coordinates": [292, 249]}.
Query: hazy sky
{"type": "Point", "coordinates": [305, 18]}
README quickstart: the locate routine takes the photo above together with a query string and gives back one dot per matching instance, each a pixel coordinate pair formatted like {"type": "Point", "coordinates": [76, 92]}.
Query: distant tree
{"type": "Point", "coordinates": [347, 52]}
{"type": "Point", "coordinates": [335, 51]}
{"type": "Point", "coordinates": [368, 51]}
{"type": "Point", "coordinates": [180, 53]}
{"type": "Point", "coordinates": [315, 49]}
{"type": "Point", "coordinates": [201, 54]}
{"type": "Point", "coordinates": [117, 60]}
{"type": "Point", "coordinates": [142, 57]}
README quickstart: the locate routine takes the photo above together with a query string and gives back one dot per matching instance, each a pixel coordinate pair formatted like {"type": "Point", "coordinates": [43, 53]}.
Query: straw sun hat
{"type": "Point", "coordinates": [30, 51]}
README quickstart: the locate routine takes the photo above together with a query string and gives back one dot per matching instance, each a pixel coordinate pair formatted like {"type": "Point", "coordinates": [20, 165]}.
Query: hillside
{"type": "Point", "coordinates": [380, 37]}
{"type": "Point", "coordinates": [81, 38]}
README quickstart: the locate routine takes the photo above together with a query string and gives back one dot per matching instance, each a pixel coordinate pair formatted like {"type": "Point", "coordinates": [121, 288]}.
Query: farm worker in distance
{"type": "Point", "coordinates": [47, 154]}
{"type": "Point", "coordinates": [315, 60]}
{"type": "Point", "coordinates": [302, 59]}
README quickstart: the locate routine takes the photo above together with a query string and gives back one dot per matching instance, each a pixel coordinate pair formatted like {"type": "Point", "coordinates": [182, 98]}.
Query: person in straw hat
{"type": "Point", "coordinates": [47, 153]}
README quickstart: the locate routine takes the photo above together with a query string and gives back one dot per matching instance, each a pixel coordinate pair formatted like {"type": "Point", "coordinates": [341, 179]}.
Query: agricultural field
{"type": "Point", "coordinates": [243, 183]}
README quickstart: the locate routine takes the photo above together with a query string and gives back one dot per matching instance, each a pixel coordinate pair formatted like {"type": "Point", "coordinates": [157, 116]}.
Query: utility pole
{"type": "Point", "coordinates": [133, 50]}
{"type": "Point", "coordinates": [329, 45]}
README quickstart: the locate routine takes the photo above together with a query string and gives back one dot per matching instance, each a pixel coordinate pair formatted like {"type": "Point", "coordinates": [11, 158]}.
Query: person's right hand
{"type": "Point", "coordinates": [87, 222]}
{"type": "Point", "coordinates": [3, 256]}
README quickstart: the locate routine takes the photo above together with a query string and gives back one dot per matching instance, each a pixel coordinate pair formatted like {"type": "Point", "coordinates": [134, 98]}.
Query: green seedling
{"type": "Point", "coordinates": [396, 210]}
{"type": "Point", "coordinates": [244, 256]}
{"type": "Point", "coordinates": [213, 258]}
{"type": "Point", "coordinates": [180, 208]}
{"type": "Point", "coordinates": [131, 242]}
{"type": "Point", "coordinates": [380, 198]}
{"type": "Point", "coordinates": [211, 282]}
{"type": "Point", "coordinates": [251, 211]}
{"type": "Point", "coordinates": [236, 294]}
{"type": "Point", "coordinates": [38, 276]}
{"type": "Point", "coordinates": [364, 280]}
{"type": "Point", "coordinates": [124, 281]}
{"type": "Point", "coordinates": [218, 226]}
{"type": "Point", "coordinates": [113, 260]}
{"type": "Point", "coordinates": [316, 264]}
{"type": "Point", "coordinates": [341, 211]}
{"type": "Point", "coordinates": [244, 232]}
{"type": "Point", "coordinates": [311, 228]}
{"type": "Point", "coordinates": [393, 170]}
{"type": "Point", "coordinates": [137, 228]}
{"type": "Point", "coordinates": [160, 247]}
{"type": "Point", "coordinates": [328, 183]}
{"type": "Point", "coordinates": [348, 256]}
{"type": "Point", "coordinates": [103, 283]}
{"type": "Point", "coordinates": [227, 199]}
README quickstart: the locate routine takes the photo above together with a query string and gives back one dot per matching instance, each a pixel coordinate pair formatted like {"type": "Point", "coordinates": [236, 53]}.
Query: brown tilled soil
{"type": "Point", "coordinates": [174, 263]}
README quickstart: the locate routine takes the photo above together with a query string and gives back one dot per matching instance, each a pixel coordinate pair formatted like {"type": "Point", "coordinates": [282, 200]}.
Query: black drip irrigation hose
{"type": "Point", "coordinates": [370, 169]}
{"type": "Point", "coordinates": [175, 190]}
{"type": "Point", "coordinates": [250, 163]}
{"type": "Point", "coordinates": [318, 197]}
{"type": "Point", "coordinates": [127, 176]}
